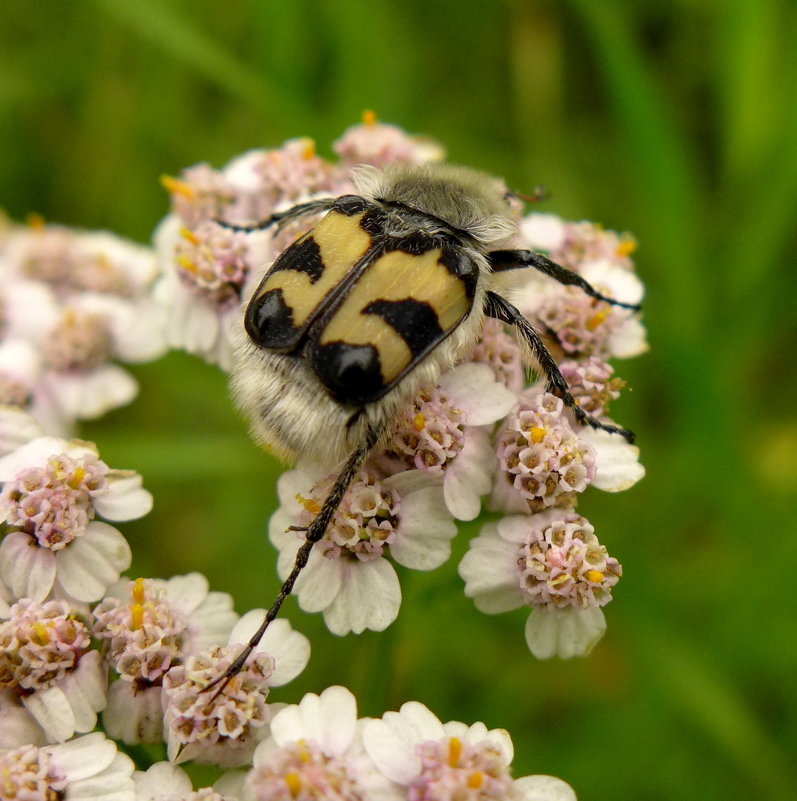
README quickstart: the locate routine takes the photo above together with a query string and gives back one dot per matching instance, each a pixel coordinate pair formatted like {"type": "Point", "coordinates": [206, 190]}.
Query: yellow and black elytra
{"type": "Point", "coordinates": [363, 306]}
{"type": "Point", "coordinates": [388, 291]}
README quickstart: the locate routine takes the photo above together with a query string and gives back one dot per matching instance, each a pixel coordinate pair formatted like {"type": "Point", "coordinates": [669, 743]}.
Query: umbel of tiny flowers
{"type": "Point", "coordinates": [72, 304]}
{"type": "Point", "coordinates": [434, 760]}
{"type": "Point", "coordinates": [52, 491]}
{"type": "Point", "coordinates": [223, 728]}
{"type": "Point", "coordinates": [348, 576]}
{"type": "Point", "coordinates": [147, 627]}
{"type": "Point", "coordinates": [88, 768]}
{"type": "Point", "coordinates": [551, 562]}
{"type": "Point", "coordinates": [47, 661]}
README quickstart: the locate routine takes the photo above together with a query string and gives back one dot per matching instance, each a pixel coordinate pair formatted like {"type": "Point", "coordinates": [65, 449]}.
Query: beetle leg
{"type": "Point", "coordinates": [500, 309]}
{"type": "Point", "coordinates": [501, 260]}
{"type": "Point", "coordinates": [314, 532]}
{"type": "Point", "coordinates": [282, 218]}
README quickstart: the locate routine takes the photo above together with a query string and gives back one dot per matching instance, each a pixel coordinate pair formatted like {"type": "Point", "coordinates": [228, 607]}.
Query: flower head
{"type": "Point", "coordinates": [551, 562]}
{"type": "Point", "coordinates": [542, 459]}
{"type": "Point", "coordinates": [53, 489]}
{"type": "Point", "coordinates": [224, 726]}
{"type": "Point", "coordinates": [347, 576]}
{"type": "Point", "coordinates": [315, 752]}
{"type": "Point", "coordinates": [88, 766]}
{"type": "Point", "coordinates": [433, 760]}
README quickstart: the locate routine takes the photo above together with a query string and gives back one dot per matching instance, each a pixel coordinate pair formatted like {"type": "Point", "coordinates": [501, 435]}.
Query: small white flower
{"type": "Point", "coordinates": [88, 768]}
{"type": "Point", "coordinates": [433, 760]}
{"type": "Point", "coordinates": [444, 433]}
{"type": "Point", "coordinates": [347, 576]}
{"type": "Point", "coordinates": [553, 563]}
{"type": "Point", "coordinates": [46, 656]}
{"type": "Point", "coordinates": [149, 626]}
{"type": "Point", "coordinates": [315, 751]}
{"type": "Point", "coordinates": [52, 491]}
{"type": "Point", "coordinates": [223, 726]}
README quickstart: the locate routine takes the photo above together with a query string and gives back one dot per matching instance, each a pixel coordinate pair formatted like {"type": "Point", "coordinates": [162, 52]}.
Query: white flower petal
{"type": "Point", "coordinates": [133, 715]}
{"type": "Point", "coordinates": [543, 788]}
{"type": "Point", "coordinates": [630, 340]}
{"type": "Point", "coordinates": [329, 719]}
{"type": "Point", "coordinates": [162, 780]}
{"type": "Point", "coordinates": [52, 711]}
{"type": "Point", "coordinates": [618, 466]}
{"type": "Point", "coordinates": [369, 598]}
{"type": "Point", "coordinates": [26, 568]}
{"type": "Point", "coordinates": [469, 476]}
{"type": "Point", "coordinates": [319, 582]}
{"type": "Point", "coordinates": [125, 498]}
{"type": "Point", "coordinates": [564, 632]}
{"type": "Point", "coordinates": [92, 562]}
{"type": "Point", "coordinates": [473, 389]}
{"type": "Point", "coordinates": [543, 231]}
{"type": "Point", "coordinates": [391, 742]}
{"type": "Point", "coordinates": [115, 783]}
{"type": "Point", "coordinates": [19, 727]}
{"type": "Point", "coordinates": [85, 756]}
{"type": "Point", "coordinates": [489, 570]}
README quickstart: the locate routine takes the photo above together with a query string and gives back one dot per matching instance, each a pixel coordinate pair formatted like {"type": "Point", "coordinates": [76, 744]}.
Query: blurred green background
{"type": "Point", "coordinates": [674, 120]}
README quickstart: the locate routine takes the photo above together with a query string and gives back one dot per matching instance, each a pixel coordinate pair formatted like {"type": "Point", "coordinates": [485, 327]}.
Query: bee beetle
{"type": "Point", "coordinates": [388, 291]}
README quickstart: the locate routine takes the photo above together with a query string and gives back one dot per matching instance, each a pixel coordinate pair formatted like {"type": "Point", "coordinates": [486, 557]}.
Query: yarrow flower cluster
{"type": "Point", "coordinates": [73, 304]}
{"type": "Point", "coordinates": [150, 657]}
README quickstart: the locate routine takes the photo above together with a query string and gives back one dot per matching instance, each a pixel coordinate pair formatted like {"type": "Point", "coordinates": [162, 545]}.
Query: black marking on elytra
{"type": "Point", "coordinates": [458, 263]}
{"type": "Point", "coordinates": [415, 321]}
{"type": "Point", "coordinates": [303, 256]}
{"type": "Point", "coordinates": [350, 205]}
{"type": "Point", "coordinates": [269, 321]}
{"type": "Point", "coordinates": [351, 373]}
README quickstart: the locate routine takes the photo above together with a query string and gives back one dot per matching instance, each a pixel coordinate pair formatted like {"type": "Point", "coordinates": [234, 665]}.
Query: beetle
{"type": "Point", "coordinates": [388, 291]}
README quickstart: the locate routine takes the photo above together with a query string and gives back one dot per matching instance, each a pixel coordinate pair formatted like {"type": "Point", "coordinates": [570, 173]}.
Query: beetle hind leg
{"type": "Point", "coordinates": [500, 309]}
{"type": "Point", "coordinates": [501, 260]}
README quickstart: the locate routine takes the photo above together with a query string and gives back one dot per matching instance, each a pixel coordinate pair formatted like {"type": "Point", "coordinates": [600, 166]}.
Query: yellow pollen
{"type": "Point", "coordinates": [419, 421]}
{"type": "Point", "coordinates": [454, 751]}
{"type": "Point", "coordinates": [70, 632]}
{"type": "Point", "coordinates": [189, 235]}
{"type": "Point", "coordinates": [40, 635]}
{"type": "Point", "coordinates": [537, 434]}
{"type": "Point", "coordinates": [308, 148]}
{"type": "Point", "coordinates": [475, 780]}
{"type": "Point", "coordinates": [137, 592]}
{"type": "Point", "coordinates": [310, 504]}
{"type": "Point", "coordinates": [136, 617]}
{"type": "Point", "coordinates": [596, 319]}
{"type": "Point", "coordinates": [304, 753]}
{"type": "Point", "coordinates": [595, 576]}
{"type": "Point", "coordinates": [627, 246]}
{"type": "Point", "coordinates": [369, 117]}
{"type": "Point", "coordinates": [186, 264]}
{"type": "Point", "coordinates": [35, 221]}
{"type": "Point", "coordinates": [294, 783]}
{"type": "Point", "coordinates": [177, 187]}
